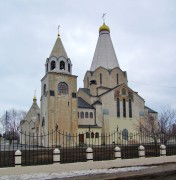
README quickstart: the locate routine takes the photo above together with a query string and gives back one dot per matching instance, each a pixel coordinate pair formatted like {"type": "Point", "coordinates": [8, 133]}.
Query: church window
{"type": "Point", "coordinates": [92, 135]}
{"type": "Point", "coordinates": [130, 108]}
{"type": "Point", "coordinates": [44, 89]}
{"type": "Point", "coordinates": [47, 67]}
{"type": "Point", "coordinates": [100, 78]}
{"type": "Point", "coordinates": [82, 115]}
{"type": "Point", "coordinates": [87, 81]}
{"type": "Point", "coordinates": [53, 65]}
{"type": "Point", "coordinates": [68, 67]}
{"type": "Point", "coordinates": [62, 88]}
{"type": "Point", "coordinates": [78, 114]}
{"type": "Point", "coordinates": [123, 91]}
{"type": "Point", "coordinates": [96, 135]}
{"type": "Point", "coordinates": [86, 115]}
{"type": "Point", "coordinates": [124, 108]}
{"type": "Point", "coordinates": [117, 79]}
{"type": "Point", "coordinates": [32, 125]}
{"type": "Point", "coordinates": [125, 134]}
{"type": "Point", "coordinates": [118, 107]}
{"type": "Point", "coordinates": [87, 134]}
{"type": "Point", "coordinates": [91, 114]}
{"type": "Point", "coordinates": [62, 65]}
{"type": "Point", "coordinates": [43, 122]}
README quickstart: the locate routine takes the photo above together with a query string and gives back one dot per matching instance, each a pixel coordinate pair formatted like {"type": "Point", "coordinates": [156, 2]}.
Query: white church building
{"type": "Point", "coordinates": [105, 103]}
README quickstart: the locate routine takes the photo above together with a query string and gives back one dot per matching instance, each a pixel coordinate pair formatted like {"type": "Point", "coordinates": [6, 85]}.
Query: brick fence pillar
{"type": "Point", "coordinates": [18, 158]}
{"type": "Point", "coordinates": [141, 150]}
{"type": "Point", "coordinates": [56, 156]}
{"type": "Point", "coordinates": [89, 154]}
{"type": "Point", "coordinates": [117, 151]}
{"type": "Point", "coordinates": [162, 150]}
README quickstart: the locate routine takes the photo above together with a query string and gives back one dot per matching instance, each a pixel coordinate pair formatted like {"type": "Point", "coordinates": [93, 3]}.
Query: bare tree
{"type": "Point", "coordinates": [10, 120]}
{"type": "Point", "coordinates": [162, 128]}
{"type": "Point", "coordinates": [148, 126]}
{"type": "Point", "coordinates": [167, 122]}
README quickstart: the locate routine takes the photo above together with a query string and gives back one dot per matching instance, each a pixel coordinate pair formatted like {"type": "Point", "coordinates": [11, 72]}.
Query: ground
{"type": "Point", "coordinates": [157, 172]}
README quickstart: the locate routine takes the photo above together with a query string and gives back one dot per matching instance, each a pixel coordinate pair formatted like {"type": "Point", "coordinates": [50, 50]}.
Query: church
{"type": "Point", "coordinates": [105, 103]}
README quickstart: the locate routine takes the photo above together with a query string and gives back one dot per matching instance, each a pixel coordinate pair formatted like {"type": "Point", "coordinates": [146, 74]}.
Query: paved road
{"type": "Point", "coordinates": [164, 172]}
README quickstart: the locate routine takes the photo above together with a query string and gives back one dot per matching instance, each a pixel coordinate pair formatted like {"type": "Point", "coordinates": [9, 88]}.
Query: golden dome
{"type": "Point", "coordinates": [104, 27]}
{"type": "Point", "coordinates": [34, 99]}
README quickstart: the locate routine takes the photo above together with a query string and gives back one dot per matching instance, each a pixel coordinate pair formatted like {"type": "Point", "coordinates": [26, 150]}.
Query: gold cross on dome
{"type": "Point", "coordinates": [103, 17]}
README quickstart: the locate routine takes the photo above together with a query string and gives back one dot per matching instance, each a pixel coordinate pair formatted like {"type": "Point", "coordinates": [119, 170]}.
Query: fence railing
{"type": "Point", "coordinates": [34, 149]}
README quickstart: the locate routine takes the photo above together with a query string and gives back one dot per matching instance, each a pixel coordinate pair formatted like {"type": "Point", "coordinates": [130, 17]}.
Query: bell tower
{"type": "Point", "coordinates": [58, 93]}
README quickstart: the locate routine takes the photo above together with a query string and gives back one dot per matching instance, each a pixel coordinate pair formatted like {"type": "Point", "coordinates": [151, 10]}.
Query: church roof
{"type": "Point", "coordinates": [104, 55]}
{"type": "Point", "coordinates": [86, 90]}
{"type": "Point", "coordinates": [150, 110]}
{"type": "Point", "coordinates": [84, 104]}
{"type": "Point", "coordinates": [58, 49]}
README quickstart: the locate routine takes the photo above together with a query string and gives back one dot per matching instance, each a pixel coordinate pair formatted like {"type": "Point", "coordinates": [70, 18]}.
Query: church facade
{"type": "Point", "coordinates": [104, 104]}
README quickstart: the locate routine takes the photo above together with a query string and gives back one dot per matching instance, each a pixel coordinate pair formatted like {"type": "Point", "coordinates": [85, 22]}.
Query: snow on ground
{"type": "Point", "coordinates": [41, 176]}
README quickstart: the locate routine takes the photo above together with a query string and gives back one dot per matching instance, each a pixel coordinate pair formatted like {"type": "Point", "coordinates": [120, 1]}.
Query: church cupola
{"type": "Point", "coordinates": [58, 60]}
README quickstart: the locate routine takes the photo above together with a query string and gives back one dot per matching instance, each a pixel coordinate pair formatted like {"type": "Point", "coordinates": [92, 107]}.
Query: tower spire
{"type": "Point", "coordinates": [104, 55]}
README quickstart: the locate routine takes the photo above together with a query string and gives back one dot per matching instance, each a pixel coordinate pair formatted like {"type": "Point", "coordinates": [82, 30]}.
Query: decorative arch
{"type": "Point", "coordinates": [43, 122]}
{"type": "Point", "coordinates": [69, 69]}
{"type": "Point", "coordinates": [86, 115]}
{"type": "Point", "coordinates": [82, 115]}
{"type": "Point", "coordinates": [62, 65]}
{"type": "Point", "coordinates": [53, 65]}
{"type": "Point", "coordinates": [125, 134]}
{"type": "Point", "coordinates": [91, 114]}
{"type": "Point", "coordinates": [62, 88]}
{"type": "Point", "coordinates": [44, 89]}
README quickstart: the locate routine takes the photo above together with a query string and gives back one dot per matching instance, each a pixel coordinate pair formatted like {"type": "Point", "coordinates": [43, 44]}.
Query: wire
{"type": "Point", "coordinates": [148, 84]}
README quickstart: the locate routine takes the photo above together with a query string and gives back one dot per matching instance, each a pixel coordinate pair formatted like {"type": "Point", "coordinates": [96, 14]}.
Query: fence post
{"type": "Point", "coordinates": [89, 154]}
{"type": "Point", "coordinates": [56, 156]}
{"type": "Point", "coordinates": [141, 150]}
{"type": "Point", "coordinates": [162, 150]}
{"type": "Point", "coordinates": [18, 157]}
{"type": "Point", "coordinates": [117, 151]}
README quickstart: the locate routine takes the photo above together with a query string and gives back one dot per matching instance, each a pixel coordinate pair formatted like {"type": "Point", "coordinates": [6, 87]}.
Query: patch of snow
{"type": "Point", "coordinates": [41, 176]}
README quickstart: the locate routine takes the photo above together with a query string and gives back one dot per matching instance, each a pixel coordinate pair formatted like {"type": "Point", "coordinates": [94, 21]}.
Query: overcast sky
{"type": "Point", "coordinates": [143, 33]}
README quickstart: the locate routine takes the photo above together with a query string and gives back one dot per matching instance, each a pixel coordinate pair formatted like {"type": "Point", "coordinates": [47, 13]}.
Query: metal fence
{"type": "Point", "coordinates": [37, 149]}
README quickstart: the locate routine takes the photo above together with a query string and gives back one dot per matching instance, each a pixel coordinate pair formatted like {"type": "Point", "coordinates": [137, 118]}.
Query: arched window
{"type": "Point", "coordinates": [100, 78]}
{"type": "Point", "coordinates": [125, 134]}
{"type": "Point", "coordinates": [43, 122]}
{"type": "Point", "coordinates": [91, 114]}
{"type": "Point", "coordinates": [62, 65]}
{"type": "Point", "coordinates": [87, 134]}
{"type": "Point", "coordinates": [53, 65]}
{"type": "Point", "coordinates": [62, 88]}
{"type": "Point", "coordinates": [92, 135]}
{"type": "Point", "coordinates": [86, 115]}
{"type": "Point", "coordinates": [82, 115]}
{"type": "Point", "coordinates": [117, 79]}
{"type": "Point", "coordinates": [123, 91]}
{"type": "Point", "coordinates": [118, 107]}
{"type": "Point", "coordinates": [32, 125]}
{"type": "Point", "coordinates": [88, 82]}
{"type": "Point", "coordinates": [124, 108]}
{"type": "Point", "coordinates": [96, 135]}
{"type": "Point", "coordinates": [47, 67]}
{"type": "Point", "coordinates": [44, 89]}
{"type": "Point", "coordinates": [130, 108]}
{"type": "Point", "coordinates": [68, 67]}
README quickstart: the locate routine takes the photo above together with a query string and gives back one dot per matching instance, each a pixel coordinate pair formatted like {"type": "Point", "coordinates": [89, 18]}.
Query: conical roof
{"type": "Point", "coordinates": [104, 55]}
{"type": "Point", "coordinates": [58, 49]}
